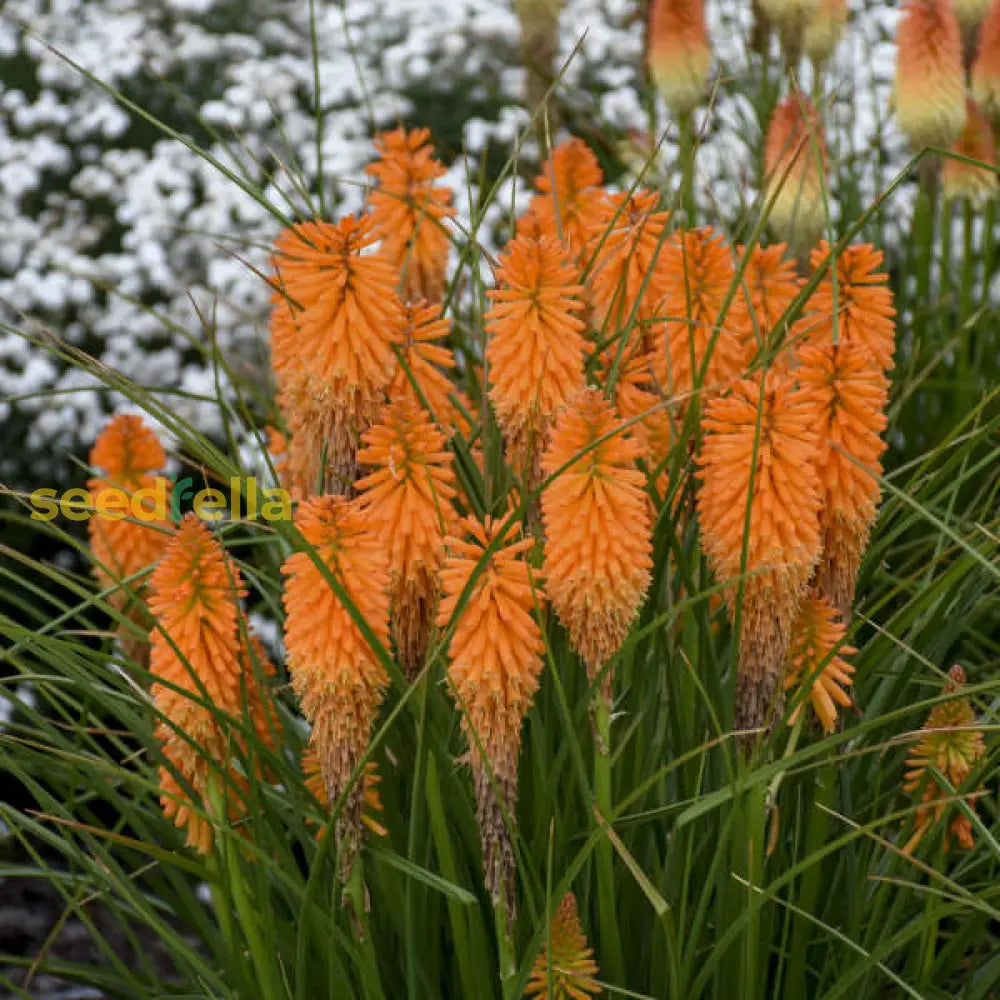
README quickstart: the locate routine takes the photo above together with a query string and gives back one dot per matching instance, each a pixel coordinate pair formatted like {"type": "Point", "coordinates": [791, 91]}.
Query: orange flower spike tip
{"type": "Point", "coordinates": [597, 530]}
{"type": "Point", "coordinates": [335, 673]}
{"type": "Point", "coordinates": [795, 162]}
{"type": "Point", "coordinates": [407, 498]}
{"type": "Point", "coordinates": [783, 539]}
{"type": "Point", "coordinates": [960, 179]}
{"type": "Point", "coordinates": [770, 284]}
{"type": "Point", "coordinates": [495, 657]}
{"type": "Point", "coordinates": [409, 210]}
{"type": "Point", "coordinates": [929, 87]}
{"type": "Point", "coordinates": [986, 66]}
{"type": "Point", "coordinates": [816, 660]}
{"type": "Point", "coordinates": [861, 302]}
{"type": "Point", "coordinates": [574, 971]}
{"type": "Point", "coordinates": [701, 271]}
{"type": "Point", "coordinates": [952, 745]}
{"type": "Point", "coordinates": [824, 28]}
{"type": "Point", "coordinates": [680, 54]}
{"type": "Point", "coordinates": [849, 394]}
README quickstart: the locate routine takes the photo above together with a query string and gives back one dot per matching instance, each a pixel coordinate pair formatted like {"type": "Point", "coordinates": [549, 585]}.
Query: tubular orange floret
{"type": "Point", "coordinates": [816, 660]}
{"type": "Point", "coordinates": [573, 969]}
{"type": "Point", "coordinates": [701, 275]}
{"type": "Point", "coordinates": [536, 350]}
{"type": "Point", "coordinates": [495, 657]}
{"type": "Point", "coordinates": [127, 452]}
{"type": "Point", "coordinates": [952, 744]}
{"type": "Point", "coordinates": [986, 66]}
{"type": "Point", "coordinates": [626, 245]}
{"type": "Point", "coordinates": [409, 210]}
{"type": "Point", "coordinates": [767, 433]}
{"type": "Point", "coordinates": [848, 393]}
{"type": "Point", "coordinates": [679, 52]}
{"type": "Point", "coordinates": [770, 284]}
{"type": "Point", "coordinates": [929, 88]}
{"type": "Point", "coordinates": [795, 186]}
{"type": "Point", "coordinates": [407, 499]}
{"type": "Point", "coordinates": [824, 27]}
{"type": "Point", "coordinates": [332, 334]}
{"type": "Point", "coordinates": [597, 531]}
{"type": "Point", "coordinates": [570, 193]}
{"type": "Point", "coordinates": [966, 180]}
{"type": "Point", "coordinates": [335, 672]}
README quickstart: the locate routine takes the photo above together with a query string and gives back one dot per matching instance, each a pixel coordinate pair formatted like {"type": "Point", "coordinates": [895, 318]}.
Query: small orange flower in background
{"type": "Point", "coordinates": [128, 453]}
{"type": "Point", "coordinates": [495, 657]}
{"type": "Point", "coordinates": [858, 306]}
{"type": "Point", "coordinates": [929, 88]}
{"type": "Point", "coordinates": [597, 531]}
{"type": "Point", "coordinates": [849, 394]}
{"type": "Point", "coordinates": [335, 673]}
{"type": "Point", "coordinates": [795, 187]}
{"type": "Point", "coordinates": [679, 53]}
{"type": "Point", "coordinates": [816, 660]}
{"type": "Point", "coordinates": [701, 275]}
{"type": "Point", "coordinates": [371, 801]}
{"type": "Point", "coordinates": [409, 210]}
{"type": "Point", "coordinates": [770, 284]}
{"type": "Point", "coordinates": [783, 538]}
{"type": "Point", "coordinates": [986, 66]}
{"type": "Point", "coordinates": [573, 969]}
{"type": "Point", "coordinates": [952, 744]}
{"type": "Point", "coordinates": [570, 193]}
{"type": "Point", "coordinates": [536, 348]}
{"type": "Point", "coordinates": [407, 500]}
{"type": "Point", "coordinates": [332, 337]}
{"type": "Point", "coordinates": [824, 28]}
{"type": "Point", "coordinates": [966, 180]}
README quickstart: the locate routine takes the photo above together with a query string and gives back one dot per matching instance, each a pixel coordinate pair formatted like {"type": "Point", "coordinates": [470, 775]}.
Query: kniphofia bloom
{"type": "Point", "coordinates": [678, 52]}
{"type": "Point", "coordinates": [824, 27]}
{"type": "Point", "coordinates": [960, 179]}
{"type": "Point", "coordinates": [770, 285]}
{"type": "Point", "coordinates": [986, 66]}
{"type": "Point", "coordinates": [571, 962]}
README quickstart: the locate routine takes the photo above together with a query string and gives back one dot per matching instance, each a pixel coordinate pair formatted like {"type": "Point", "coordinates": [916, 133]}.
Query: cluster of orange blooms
{"type": "Point", "coordinates": [609, 338]}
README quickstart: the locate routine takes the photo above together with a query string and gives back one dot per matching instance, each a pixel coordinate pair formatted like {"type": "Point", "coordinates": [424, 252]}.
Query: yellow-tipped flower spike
{"type": "Point", "coordinates": [128, 453]}
{"type": "Point", "coordinates": [970, 13]}
{"type": "Point", "coordinates": [966, 180]}
{"type": "Point", "coordinates": [986, 66]}
{"type": "Point", "coordinates": [769, 435]}
{"type": "Point", "coordinates": [795, 186]}
{"type": "Point", "coordinates": [573, 969]}
{"type": "Point", "coordinates": [597, 531]}
{"type": "Point", "coordinates": [858, 305]}
{"type": "Point", "coordinates": [495, 657]}
{"type": "Point", "coordinates": [536, 348]}
{"type": "Point", "coordinates": [336, 674]}
{"type": "Point", "coordinates": [816, 660]}
{"type": "Point", "coordinates": [371, 801]}
{"type": "Point", "coordinates": [824, 28]}
{"type": "Point", "coordinates": [770, 284]}
{"type": "Point", "coordinates": [952, 744]}
{"type": "Point", "coordinates": [790, 18]}
{"type": "Point", "coordinates": [407, 499]}
{"type": "Point", "coordinates": [929, 88]}
{"type": "Point", "coordinates": [679, 52]}
{"type": "Point", "coordinates": [849, 394]}
{"type": "Point", "coordinates": [332, 335]}
{"type": "Point", "coordinates": [409, 210]}
{"type": "Point", "coordinates": [570, 194]}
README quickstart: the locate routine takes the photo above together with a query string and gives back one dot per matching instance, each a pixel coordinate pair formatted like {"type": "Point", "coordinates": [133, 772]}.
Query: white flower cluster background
{"type": "Point", "coordinates": [121, 241]}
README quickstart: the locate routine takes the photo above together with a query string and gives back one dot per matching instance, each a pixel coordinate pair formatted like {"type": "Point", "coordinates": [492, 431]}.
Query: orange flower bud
{"type": "Point", "coordinates": [680, 54]}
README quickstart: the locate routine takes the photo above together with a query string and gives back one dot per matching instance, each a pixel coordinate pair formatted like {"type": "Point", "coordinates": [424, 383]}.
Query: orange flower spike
{"type": "Point", "coordinates": [816, 659]}
{"type": "Point", "coordinates": [334, 351]}
{"type": "Point", "coordinates": [965, 180]}
{"type": "Point", "coordinates": [570, 191]}
{"type": "Point", "coordinates": [701, 274]}
{"type": "Point", "coordinates": [770, 284]}
{"type": "Point", "coordinates": [407, 499]}
{"type": "Point", "coordinates": [849, 395]}
{"type": "Point", "coordinates": [986, 66]}
{"type": "Point", "coordinates": [495, 657]}
{"type": "Point", "coordinates": [864, 311]}
{"type": "Point", "coordinates": [795, 163]}
{"type": "Point", "coordinates": [335, 673]}
{"type": "Point", "coordinates": [574, 971]}
{"type": "Point", "coordinates": [409, 210]}
{"type": "Point", "coordinates": [371, 802]}
{"type": "Point", "coordinates": [679, 54]}
{"type": "Point", "coordinates": [783, 536]}
{"type": "Point", "coordinates": [597, 531]}
{"type": "Point", "coordinates": [929, 88]}
{"type": "Point", "coordinates": [824, 28]}
{"type": "Point", "coordinates": [952, 744]}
